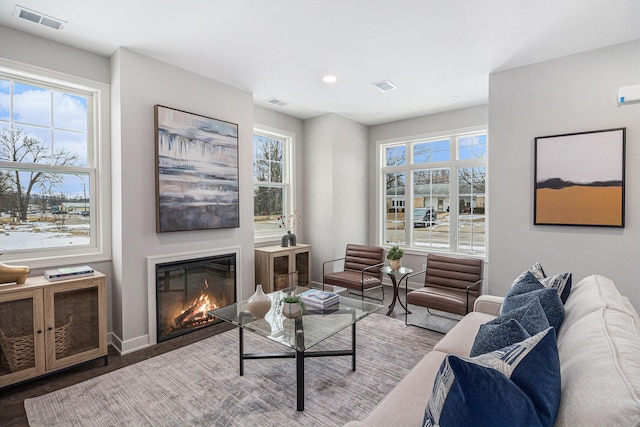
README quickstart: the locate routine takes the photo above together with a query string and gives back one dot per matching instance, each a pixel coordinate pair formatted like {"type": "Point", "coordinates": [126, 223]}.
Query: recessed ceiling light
{"type": "Point", "coordinates": [329, 79]}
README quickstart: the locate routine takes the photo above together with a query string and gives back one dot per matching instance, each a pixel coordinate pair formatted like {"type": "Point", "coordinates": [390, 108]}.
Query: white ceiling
{"type": "Point", "coordinates": [439, 53]}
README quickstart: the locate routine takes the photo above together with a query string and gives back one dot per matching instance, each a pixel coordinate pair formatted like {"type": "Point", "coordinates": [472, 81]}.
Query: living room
{"type": "Point", "coordinates": [566, 94]}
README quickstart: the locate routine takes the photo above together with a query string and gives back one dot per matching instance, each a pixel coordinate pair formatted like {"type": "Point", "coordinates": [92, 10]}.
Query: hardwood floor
{"type": "Point", "coordinates": [12, 398]}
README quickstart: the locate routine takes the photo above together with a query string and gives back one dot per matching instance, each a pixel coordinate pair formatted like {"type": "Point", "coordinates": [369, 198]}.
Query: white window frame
{"type": "Point", "coordinates": [98, 159]}
{"type": "Point", "coordinates": [288, 178]}
{"type": "Point", "coordinates": [453, 165]}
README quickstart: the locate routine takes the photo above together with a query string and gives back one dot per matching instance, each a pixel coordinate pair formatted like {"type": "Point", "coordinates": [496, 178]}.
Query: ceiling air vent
{"type": "Point", "coordinates": [385, 85]}
{"type": "Point", "coordinates": [38, 18]}
{"type": "Point", "coordinates": [278, 102]}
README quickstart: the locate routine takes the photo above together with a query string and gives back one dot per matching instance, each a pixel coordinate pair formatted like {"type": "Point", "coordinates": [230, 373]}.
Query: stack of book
{"type": "Point", "coordinates": [68, 273]}
{"type": "Point", "coordinates": [316, 299]}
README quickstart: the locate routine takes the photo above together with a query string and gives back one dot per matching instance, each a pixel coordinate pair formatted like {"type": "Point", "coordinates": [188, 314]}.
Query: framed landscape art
{"type": "Point", "coordinates": [579, 179]}
{"type": "Point", "coordinates": [196, 172]}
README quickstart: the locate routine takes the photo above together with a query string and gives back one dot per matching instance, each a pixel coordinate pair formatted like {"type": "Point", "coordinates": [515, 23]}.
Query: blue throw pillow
{"type": "Point", "coordinates": [531, 316]}
{"type": "Point", "coordinates": [494, 336]}
{"type": "Point", "coordinates": [516, 385]}
{"type": "Point", "coordinates": [529, 287]}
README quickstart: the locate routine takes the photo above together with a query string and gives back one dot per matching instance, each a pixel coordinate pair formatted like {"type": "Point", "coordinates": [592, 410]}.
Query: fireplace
{"type": "Point", "coordinates": [187, 289]}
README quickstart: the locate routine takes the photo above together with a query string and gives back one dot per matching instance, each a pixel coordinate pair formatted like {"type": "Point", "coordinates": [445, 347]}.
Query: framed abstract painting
{"type": "Point", "coordinates": [196, 172]}
{"type": "Point", "coordinates": [580, 179]}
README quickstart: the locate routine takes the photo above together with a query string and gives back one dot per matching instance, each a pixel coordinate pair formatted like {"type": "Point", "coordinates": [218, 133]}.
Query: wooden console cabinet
{"type": "Point", "coordinates": [46, 326]}
{"type": "Point", "coordinates": [278, 268]}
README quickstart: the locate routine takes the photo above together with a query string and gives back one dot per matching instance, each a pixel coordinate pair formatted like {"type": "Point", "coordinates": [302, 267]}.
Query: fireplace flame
{"type": "Point", "coordinates": [198, 310]}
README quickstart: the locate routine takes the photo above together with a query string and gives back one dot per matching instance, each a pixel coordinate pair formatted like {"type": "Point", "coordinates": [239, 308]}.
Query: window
{"type": "Point", "coordinates": [434, 192]}
{"type": "Point", "coordinates": [49, 176]}
{"type": "Point", "coordinates": [273, 187]}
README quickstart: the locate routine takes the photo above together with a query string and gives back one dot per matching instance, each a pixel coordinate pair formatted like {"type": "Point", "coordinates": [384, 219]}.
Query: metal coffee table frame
{"type": "Point", "coordinates": [238, 315]}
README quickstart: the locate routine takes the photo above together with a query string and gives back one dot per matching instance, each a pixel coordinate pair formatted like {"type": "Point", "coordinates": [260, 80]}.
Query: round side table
{"type": "Point", "coordinates": [396, 277]}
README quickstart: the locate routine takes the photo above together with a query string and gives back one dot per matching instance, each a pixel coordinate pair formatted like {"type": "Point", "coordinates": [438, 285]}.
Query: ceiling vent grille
{"type": "Point", "coordinates": [278, 102]}
{"type": "Point", "coordinates": [38, 18]}
{"type": "Point", "coordinates": [385, 85]}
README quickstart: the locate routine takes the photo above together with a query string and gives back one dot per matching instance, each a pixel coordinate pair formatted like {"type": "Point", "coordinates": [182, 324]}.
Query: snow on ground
{"type": "Point", "coordinates": [42, 235]}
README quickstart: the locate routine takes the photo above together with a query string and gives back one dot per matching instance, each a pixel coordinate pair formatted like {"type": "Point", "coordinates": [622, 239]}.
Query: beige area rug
{"type": "Point", "coordinates": [199, 384]}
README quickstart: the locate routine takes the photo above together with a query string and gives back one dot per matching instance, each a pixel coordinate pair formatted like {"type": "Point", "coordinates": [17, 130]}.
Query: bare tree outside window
{"type": "Point", "coordinates": [17, 146]}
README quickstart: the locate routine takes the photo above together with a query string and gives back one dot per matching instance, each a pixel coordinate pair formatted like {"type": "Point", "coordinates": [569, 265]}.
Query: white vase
{"type": "Point", "coordinates": [259, 303]}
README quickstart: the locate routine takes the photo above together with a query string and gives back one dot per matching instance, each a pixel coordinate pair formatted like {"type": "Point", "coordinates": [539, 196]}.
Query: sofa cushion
{"type": "Point", "coordinates": [494, 336]}
{"type": "Point", "coordinates": [528, 288]}
{"type": "Point", "coordinates": [404, 405]}
{"type": "Point", "coordinates": [517, 385]}
{"type": "Point", "coordinates": [591, 294]}
{"type": "Point", "coordinates": [600, 370]}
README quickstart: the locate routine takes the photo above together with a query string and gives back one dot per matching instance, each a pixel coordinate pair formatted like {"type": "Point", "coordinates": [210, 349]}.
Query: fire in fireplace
{"type": "Point", "coordinates": [186, 290]}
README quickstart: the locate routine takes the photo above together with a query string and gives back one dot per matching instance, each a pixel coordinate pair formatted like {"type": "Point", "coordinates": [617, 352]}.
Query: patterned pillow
{"type": "Point", "coordinates": [529, 287]}
{"type": "Point", "coordinates": [535, 269]}
{"type": "Point", "coordinates": [516, 385]}
{"type": "Point", "coordinates": [494, 336]}
{"type": "Point", "coordinates": [561, 283]}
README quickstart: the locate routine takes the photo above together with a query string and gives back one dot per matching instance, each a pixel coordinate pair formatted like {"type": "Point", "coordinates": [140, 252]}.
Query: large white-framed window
{"type": "Point", "coordinates": [54, 172]}
{"type": "Point", "coordinates": [432, 191]}
{"type": "Point", "coordinates": [273, 177]}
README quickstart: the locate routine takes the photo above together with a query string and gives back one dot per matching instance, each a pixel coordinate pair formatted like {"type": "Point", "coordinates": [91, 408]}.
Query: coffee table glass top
{"type": "Point", "coordinates": [315, 325]}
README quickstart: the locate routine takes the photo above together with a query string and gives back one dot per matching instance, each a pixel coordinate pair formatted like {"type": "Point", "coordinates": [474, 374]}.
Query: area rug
{"type": "Point", "coordinates": [199, 384]}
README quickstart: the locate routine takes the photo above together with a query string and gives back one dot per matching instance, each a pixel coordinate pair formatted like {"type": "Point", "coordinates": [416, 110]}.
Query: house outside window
{"type": "Point", "coordinates": [273, 193]}
{"type": "Point", "coordinates": [433, 192]}
{"type": "Point", "coordinates": [50, 186]}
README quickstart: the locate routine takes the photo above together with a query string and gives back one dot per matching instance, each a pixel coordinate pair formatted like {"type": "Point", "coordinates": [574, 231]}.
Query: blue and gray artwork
{"type": "Point", "coordinates": [197, 172]}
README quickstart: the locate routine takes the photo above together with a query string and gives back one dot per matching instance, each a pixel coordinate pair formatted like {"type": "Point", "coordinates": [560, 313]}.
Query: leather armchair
{"type": "Point", "coordinates": [361, 270]}
{"type": "Point", "coordinates": [451, 284]}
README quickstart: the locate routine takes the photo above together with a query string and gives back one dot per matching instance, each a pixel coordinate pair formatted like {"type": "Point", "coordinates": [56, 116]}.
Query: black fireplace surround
{"type": "Point", "coordinates": [186, 290]}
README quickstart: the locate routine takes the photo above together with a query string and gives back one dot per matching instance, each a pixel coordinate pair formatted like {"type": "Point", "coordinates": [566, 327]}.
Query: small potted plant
{"type": "Point", "coordinates": [292, 306]}
{"type": "Point", "coordinates": [394, 255]}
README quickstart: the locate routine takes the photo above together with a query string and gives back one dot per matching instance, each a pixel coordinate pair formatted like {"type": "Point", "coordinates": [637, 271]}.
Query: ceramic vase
{"type": "Point", "coordinates": [259, 303]}
{"type": "Point", "coordinates": [288, 239]}
{"type": "Point", "coordinates": [395, 264]}
{"type": "Point", "coordinates": [291, 309]}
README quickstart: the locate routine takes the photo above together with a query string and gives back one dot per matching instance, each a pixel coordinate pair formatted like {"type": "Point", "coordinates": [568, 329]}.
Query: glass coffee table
{"type": "Point", "coordinates": [298, 334]}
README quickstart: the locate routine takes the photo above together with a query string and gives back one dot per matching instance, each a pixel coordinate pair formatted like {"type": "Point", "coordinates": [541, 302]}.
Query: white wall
{"type": "Point", "coordinates": [335, 187]}
{"type": "Point", "coordinates": [40, 52]}
{"type": "Point", "coordinates": [424, 125]}
{"type": "Point", "coordinates": [140, 83]}
{"type": "Point", "coordinates": [571, 94]}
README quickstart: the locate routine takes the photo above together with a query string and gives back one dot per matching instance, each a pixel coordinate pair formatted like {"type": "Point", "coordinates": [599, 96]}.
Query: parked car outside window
{"type": "Point", "coordinates": [423, 217]}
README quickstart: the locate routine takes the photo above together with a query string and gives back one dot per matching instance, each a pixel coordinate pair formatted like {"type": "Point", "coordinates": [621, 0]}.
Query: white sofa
{"type": "Point", "coordinates": [599, 351]}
